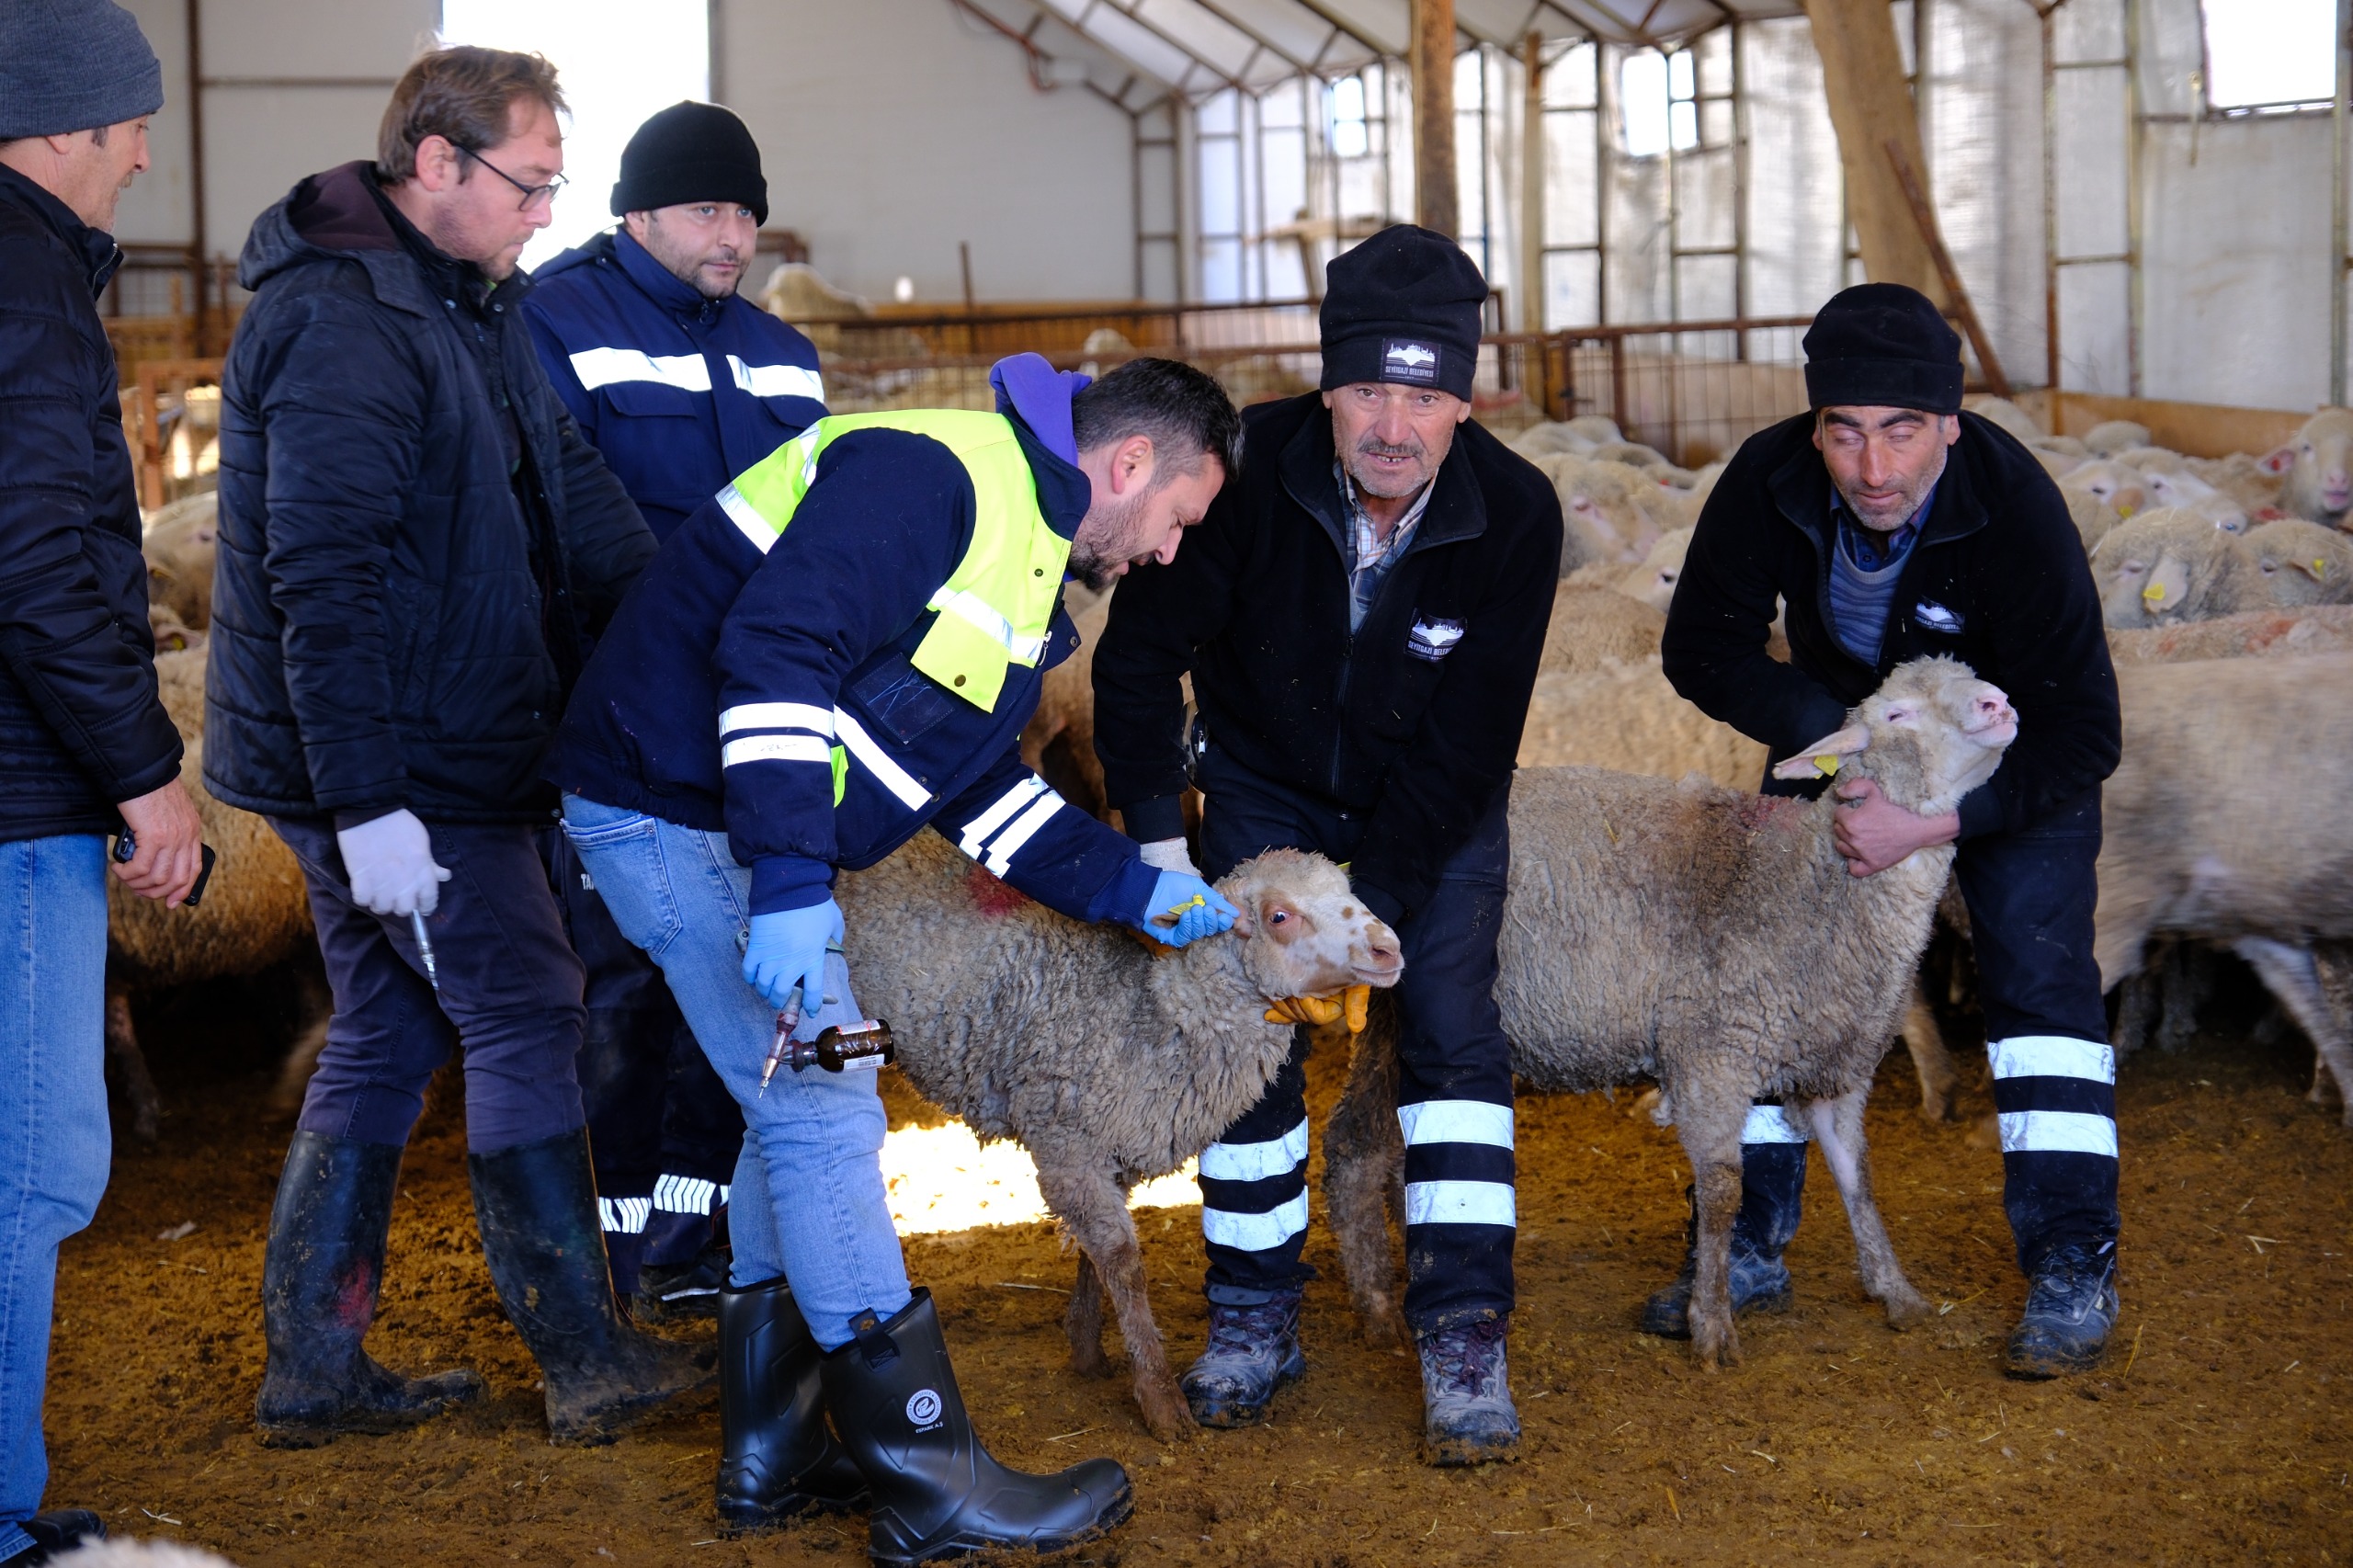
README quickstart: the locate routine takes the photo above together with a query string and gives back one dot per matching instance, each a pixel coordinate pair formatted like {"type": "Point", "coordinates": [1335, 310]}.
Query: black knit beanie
{"type": "Point", "coordinates": [1883, 346]}
{"type": "Point", "coordinates": [691, 151]}
{"type": "Point", "coordinates": [1402, 306]}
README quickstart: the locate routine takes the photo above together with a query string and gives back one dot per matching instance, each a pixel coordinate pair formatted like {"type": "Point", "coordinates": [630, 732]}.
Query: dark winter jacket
{"type": "Point", "coordinates": [1996, 578]}
{"type": "Point", "coordinates": [818, 630]}
{"type": "Point", "coordinates": [413, 536]}
{"type": "Point", "coordinates": [1414, 719]}
{"type": "Point", "coordinates": [678, 392]}
{"type": "Point", "coordinates": [80, 725]}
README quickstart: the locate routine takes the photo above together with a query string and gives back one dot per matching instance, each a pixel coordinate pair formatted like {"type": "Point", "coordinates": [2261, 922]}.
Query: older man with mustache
{"type": "Point", "coordinates": [1361, 614]}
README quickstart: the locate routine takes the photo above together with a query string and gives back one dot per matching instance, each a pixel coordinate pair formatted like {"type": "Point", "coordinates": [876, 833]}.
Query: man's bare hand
{"type": "Point", "coordinates": [1874, 832]}
{"type": "Point", "coordinates": [171, 845]}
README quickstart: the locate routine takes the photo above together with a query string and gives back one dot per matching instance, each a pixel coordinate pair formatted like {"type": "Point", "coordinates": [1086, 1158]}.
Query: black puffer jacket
{"type": "Point", "coordinates": [405, 571]}
{"type": "Point", "coordinates": [1414, 719]}
{"type": "Point", "coordinates": [80, 725]}
{"type": "Point", "coordinates": [1997, 578]}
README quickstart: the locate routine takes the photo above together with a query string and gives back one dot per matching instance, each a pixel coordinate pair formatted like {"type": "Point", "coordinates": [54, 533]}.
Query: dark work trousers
{"type": "Point", "coordinates": [2031, 896]}
{"type": "Point", "coordinates": [665, 1132]}
{"type": "Point", "coordinates": [509, 994]}
{"type": "Point", "coordinates": [1454, 1087]}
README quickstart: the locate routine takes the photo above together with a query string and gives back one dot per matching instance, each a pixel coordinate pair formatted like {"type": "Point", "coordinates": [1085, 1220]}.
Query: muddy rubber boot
{"type": "Point", "coordinates": [1772, 1199]}
{"type": "Point", "coordinates": [777, 1460]}
{"type": "Point", "coordinates": [2070, 1308]}
{"type": "Point", "coordinates": [537, 1206]}
{"type": "Point", "coordinates": [936, 1492]}
{"type": "Point", "coordinates": [1467, 1414]}
{"type": "Point", "coordinates": [1252, 1354]}
{"type": "Point", "coordinates": [319, 1278]}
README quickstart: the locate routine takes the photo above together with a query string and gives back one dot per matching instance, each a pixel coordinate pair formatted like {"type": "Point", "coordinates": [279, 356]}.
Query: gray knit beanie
{"type": "Point", "coordinates": [73, 66]}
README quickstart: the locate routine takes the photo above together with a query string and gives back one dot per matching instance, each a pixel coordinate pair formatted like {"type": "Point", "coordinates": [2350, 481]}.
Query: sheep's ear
{"type": "Point", "coordinates": [2167, 589]}
{"type": "Point", "coordinates": [2315, 567]}
{"type": "Point", "coordinates": [1246, 920]}
{"type": "Point", "coordinates": [2280, 461]}
{"type": "Point", "coordinates": [1820, 760]}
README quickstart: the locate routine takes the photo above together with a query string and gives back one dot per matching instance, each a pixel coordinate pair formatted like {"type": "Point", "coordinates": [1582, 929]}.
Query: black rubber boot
{"type": "Point", "coordinates": [777, 1460]}
{"type": "Point", "coordinates": [936, 1492]}
{"type": "Point", "coordinates": [320, 1274]}
{"type": "Point", "coordinates": [55, 1534]}
{"type": "Point", "coordinates": [1252, 1354]}
{"type": "Point", "coordinates": [2071, 1306]}
{"type": "Point", "coordinates": [1772, 1198]}
{"type": "Point", "coordinates": [537, 1206]}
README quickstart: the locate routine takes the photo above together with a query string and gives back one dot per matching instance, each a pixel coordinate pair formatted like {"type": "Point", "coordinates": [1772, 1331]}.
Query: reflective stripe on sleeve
{"type": "Point", "coordinates": [776, 380]}
{"type": "Point", "coordinates": [876, 761]}
{"type": "Point", "coordinates": [2052, 1056]}
{"type": "Point", "coordinates": [1000, 812]}
{"type": "Point", "coordinates": [1254, 1233]}
{"type": "Point", "coordinates": [747, 518]}
{"type": "Point", "coordinates": [1009, 843]}
{"type": "Point", "coordinates": [1460, 1203]}
{"type": "Point", "coordinates": [1256, 1161]}
{"type": "Point", "coordinates": [1456, 1122]}
{"type": "Point", "coordinates": [776, 716]}
{"type": "Point", "coordinates": [776, 748]}
{"type": "Point", "coordinates": [2057, 1131]}
{"type": "Point", "coordinates": [603, 367]}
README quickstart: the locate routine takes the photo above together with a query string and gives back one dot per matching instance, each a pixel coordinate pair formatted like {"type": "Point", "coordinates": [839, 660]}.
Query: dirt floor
{"type": "Point", "coordinates": [2218, 1431]}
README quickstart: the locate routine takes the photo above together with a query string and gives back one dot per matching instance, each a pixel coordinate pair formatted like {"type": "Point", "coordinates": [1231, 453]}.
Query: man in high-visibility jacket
{"type": "Point", "coordinates": [838, 650]}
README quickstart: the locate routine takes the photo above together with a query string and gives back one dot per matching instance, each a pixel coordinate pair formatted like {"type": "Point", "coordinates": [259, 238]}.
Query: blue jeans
{"type": "Point", "coordinates": [55, 1142]}
{"type": "Point", "coordinates": [808, 1201]}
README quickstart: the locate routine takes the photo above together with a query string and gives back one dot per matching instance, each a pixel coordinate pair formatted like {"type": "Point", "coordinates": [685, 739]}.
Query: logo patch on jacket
{"type": "Point", "coordinates": [1401, 360]}
{"type": "Point", "coordinates": [1934, 617]}
{"type": "Point", "coordinates": [1433, 637]}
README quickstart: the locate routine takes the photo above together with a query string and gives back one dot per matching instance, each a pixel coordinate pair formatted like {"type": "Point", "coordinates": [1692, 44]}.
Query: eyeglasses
{"type": "Point", "coordinates": [532, 194]}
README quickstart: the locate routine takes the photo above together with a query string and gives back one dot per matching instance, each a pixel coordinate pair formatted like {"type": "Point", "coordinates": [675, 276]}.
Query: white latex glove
{"type": "Point", "coordinates": [1168, 854]}
{"type": "Point", "coordinates": [390, 864]}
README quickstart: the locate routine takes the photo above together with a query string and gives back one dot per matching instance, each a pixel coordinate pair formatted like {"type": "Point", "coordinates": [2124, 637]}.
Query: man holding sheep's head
{"type": "Point", "coordinates": [1890, 525]}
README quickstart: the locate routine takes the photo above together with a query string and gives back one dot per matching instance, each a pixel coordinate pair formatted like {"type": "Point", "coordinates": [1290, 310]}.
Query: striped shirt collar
{"type": "Point", "coordinates": [1369, 555]}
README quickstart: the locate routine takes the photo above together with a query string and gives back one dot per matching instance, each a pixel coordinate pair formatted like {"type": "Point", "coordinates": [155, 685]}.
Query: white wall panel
{"type": "Point", "coordinates": [157, 209]}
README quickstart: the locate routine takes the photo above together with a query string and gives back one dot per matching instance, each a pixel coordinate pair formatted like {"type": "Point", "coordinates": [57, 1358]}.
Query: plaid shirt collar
{"type": "Point", "coordinates": [1369, 555]}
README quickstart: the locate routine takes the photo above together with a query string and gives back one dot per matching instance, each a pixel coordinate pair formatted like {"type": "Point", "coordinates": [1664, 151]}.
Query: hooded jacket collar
{"type": "Point", "coordinates": [1457, 510]}
{"type": "Point", "coordinates": [342, 214]}
{"type": "Point", "coordinates": [1036, 398]}
{"type": "Point", "coordinates": [100, 256]}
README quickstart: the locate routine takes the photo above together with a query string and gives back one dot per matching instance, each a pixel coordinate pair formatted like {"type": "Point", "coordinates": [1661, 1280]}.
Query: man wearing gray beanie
{"type": "Point", "coordinates": [86, 746]}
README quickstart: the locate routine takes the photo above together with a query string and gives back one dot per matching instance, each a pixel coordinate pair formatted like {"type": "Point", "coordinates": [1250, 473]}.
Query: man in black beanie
{"type": "Point", "coordinates": [1361, 614]}
{"type": "Point", "coordinates": [1895, 525]}
{"type": "Point", "coordinates": [681, 383]}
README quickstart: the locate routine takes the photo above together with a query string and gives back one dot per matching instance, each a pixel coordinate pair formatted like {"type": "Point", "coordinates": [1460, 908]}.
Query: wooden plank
{"type": "Point", "coordinates": [1435, 204]}
{"type": "Point", "coordinates": [2200, 429]}
{"type": "Point", "coordinates": [1862, 76]}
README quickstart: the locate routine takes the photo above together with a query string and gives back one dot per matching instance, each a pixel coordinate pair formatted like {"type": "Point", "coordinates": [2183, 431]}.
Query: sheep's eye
{"type": "Point", "coordinates": [2269, 567]}
{"type": "Point", "coordinates": [1277, 917]}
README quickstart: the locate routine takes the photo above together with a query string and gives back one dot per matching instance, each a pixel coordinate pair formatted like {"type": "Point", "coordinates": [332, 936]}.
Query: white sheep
{"type": "Point", "coordinates": [1594, 624]}
{"type": "Point", "coordinates": [2299, 562]}
{"type": "Point", "coordinates": [2167, 565]}
{"type": "Point", "coordinates": [179, 543]}
{"type": "Point", "coordinates": [1612, 511]}
{"type": "Point", "coordinates": [2002, 412]}
{"type": "Point", "coordinates": [1653, 581]}
{"type": "Point", "coordinates": [2263, 633]}
{"type": "Point", "coordinates": [1712, 939]}
{"type": "Point", "coordinates": [1111, 1060]}
{"type": "Point", "coordinates": [2224, 822]}
{"type": "Point", "coordinates": [2317, 467]}
{"type": "Point", "coordinates": [2113, 436]}
{"type": "Point", "coordinates": [1625, 715]}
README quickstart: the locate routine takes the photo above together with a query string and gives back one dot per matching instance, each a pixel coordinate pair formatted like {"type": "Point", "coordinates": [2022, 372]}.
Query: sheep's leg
{"type": "Point", "coordinates": [1838, 1132]}
{"type": "Point", "coordinates": [1364, 1157]}
{"type": "Point", "coordinates": [1083, 1321]}
{"type": "Point", "coordinates": [1710, 1136]}
{"type": "Point", "coordinates": [1930, 1060]}
{"type": "Point", "coordinates": [2188, 981]}
{"type": "Point", "coordinates": [2290, 972]}
{"type": "Point", "coordinates": [2136, 1013]}
{"type": "Point", "coordinates": [303, 1053]}
{"type": "Point", "coordinates": [1095, 1213]}
{"type": "Point", "coordinates": [129, 1064]}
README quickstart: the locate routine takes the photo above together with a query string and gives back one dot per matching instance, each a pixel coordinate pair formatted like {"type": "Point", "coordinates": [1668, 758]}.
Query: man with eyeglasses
{"type": "Point", "coordinates": [416, 543]}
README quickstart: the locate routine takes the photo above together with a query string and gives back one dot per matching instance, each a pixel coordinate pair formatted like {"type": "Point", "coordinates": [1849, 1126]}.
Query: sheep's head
{"type": "Point", "coordinates": [2121, 489]}
{"type": "Point", "coordinates": [2299, 562]}
{"type": "Point", "coordinates": [1932, 732]}
{"type": "Point", "coordinates": [2322, 458]}
{"type": "Point", "coordinates": [1304, 932]}
{"type": "Point", "coordinates": [2160, 567]}
{"type": "Point", "coordinates": [1653, 581]}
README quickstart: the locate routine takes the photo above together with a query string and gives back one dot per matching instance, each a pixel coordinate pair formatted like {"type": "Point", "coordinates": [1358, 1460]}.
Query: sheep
{"type": "Point", "coordinates": [1653, 581]}
{"type": "Point", "coordinates": [2168, 565]}
{"type": "Point", "coordinates": [2121, 489]}
{"type": "Point", "coordinates": [2113, 436]}
{"type": "Point", "coordinates": [1613, 512]}
{"type": "Point", "coordinates": [2171, 483]}
{"type": "Point", "coordinates": [255, 912]}
{"type": "Point", "coordinates": [2001, 411]}
{"type": "Point", "coordinates": [2264, 634]}
{"type": "Point", "coordinates": [2243, 478]}
{"type": "Point", "coordinates": [2317, 466]}
{"type": "Point", "coordinates": [2092, 518]}
{"type": "Point", "coordinates": [178, 545]}
{"type": "Point", "coordinates": [1065, 722]}
{"type": "Point", "coordinates": [2222, 758]}
{"type": "Point", "coordinates": [1111, 1063]}
{"type": "Point", "coordinates": [1576, 436]}
{"type": "Point", "coordinates": [1622, 714]}
{"type": "Point", "coordinates": [2299, 562]}
{"type": "Point", "coordinates": [1712, 939]}
{"type": "Point", "coordinates": [1593, 625]}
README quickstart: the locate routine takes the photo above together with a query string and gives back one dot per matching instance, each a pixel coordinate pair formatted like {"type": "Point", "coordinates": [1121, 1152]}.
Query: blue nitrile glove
{"type": "Point", "coordinates": [1183, 909]}
{"type": "Point", "coordinates": [788, 948]}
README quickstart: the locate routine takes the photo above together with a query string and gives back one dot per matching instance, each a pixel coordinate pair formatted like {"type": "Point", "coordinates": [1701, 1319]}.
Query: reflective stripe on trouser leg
{"type": "Point", "coordinates": [2056, 1097]}
{"type": "Point", "coordinates": [1253, 1193]}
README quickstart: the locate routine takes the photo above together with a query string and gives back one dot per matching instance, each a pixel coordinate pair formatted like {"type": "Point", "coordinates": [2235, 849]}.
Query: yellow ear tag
{"type": "Point", "coordinates": [2124, 511]}
{"type": "Point", "coordinates": [2320, 566]}
{"type": "Point", "coordinates": [2155, 593]}
{"type": "Point", "coordinates": [1826, 765]}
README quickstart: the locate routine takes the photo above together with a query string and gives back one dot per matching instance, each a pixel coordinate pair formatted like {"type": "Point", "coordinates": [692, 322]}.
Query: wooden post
{"type": "Point", "coordinates": [1924, 218]}
{"type": "Point", "coordinates": [1531, 187]}
{"type": "Point", "coordinates": [1862, 76]}
{"type": "Point", "coordinates": [1435, 204]}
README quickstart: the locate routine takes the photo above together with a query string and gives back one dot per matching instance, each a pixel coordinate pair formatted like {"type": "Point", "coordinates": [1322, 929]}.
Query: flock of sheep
{"type": "Point", "coordinates": [1646, 934]}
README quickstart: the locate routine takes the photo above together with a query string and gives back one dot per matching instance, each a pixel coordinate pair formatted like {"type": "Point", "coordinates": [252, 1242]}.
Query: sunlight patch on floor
{"type": "Point", "coordinates": [941, 1179]}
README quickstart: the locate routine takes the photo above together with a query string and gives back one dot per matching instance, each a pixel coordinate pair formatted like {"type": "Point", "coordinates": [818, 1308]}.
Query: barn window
{"type": "Point", "coordinates": [2269, 54]}
{"type": "Point", "coordinates": [619, 62]}
{"type": "Point", "coordinates": [1350, 136]}
{"type": "Point", "coordinates": [1658, 103]}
